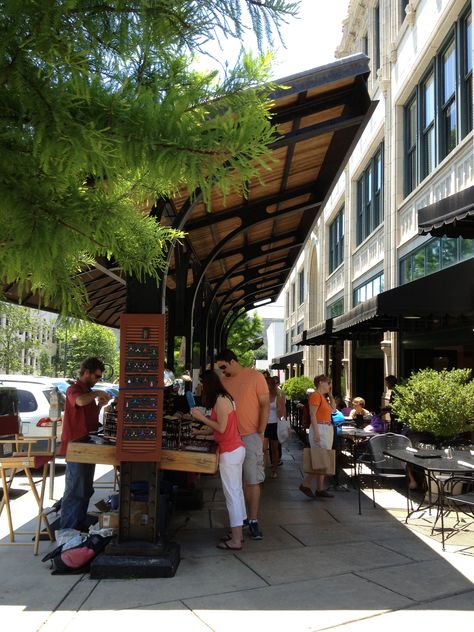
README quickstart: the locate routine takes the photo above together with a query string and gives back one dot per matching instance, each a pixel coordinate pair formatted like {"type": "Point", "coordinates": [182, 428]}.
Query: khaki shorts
{"type": "Point", "coordinates": [253, 468]}
{"type": "Point", "coordinates": [326, 434]}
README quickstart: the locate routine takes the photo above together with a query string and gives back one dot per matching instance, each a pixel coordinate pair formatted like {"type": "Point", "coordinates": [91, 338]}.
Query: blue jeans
{"type": "Point", "coordinates": [78, 491]}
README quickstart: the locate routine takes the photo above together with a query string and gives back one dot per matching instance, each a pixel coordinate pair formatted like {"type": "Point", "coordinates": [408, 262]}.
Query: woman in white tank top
{"type": "Point", "coordinates": [276, 412]}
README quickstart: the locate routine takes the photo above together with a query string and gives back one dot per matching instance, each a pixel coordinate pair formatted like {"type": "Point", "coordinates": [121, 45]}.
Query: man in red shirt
{"type": "Point", "coordinates": [81, 416]}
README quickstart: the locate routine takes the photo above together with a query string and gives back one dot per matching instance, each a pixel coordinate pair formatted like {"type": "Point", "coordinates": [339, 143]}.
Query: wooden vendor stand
{"type": "Point", "coordinates": [176, 460]}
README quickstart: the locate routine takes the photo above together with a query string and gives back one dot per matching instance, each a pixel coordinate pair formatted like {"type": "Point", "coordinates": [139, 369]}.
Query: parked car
{"type": "Point", "coordinates": [9, 419]}
{"type": "Point", "coordinates": [39, 402]}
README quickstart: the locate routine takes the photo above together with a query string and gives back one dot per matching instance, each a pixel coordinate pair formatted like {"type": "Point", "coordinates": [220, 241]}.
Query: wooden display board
{"type": "Point", "coordinates": [140, 409]}
{"type": "Point", "coordinates": [176, 460]}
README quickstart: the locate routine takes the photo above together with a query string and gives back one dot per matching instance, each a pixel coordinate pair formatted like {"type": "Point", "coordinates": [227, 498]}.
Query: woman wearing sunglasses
{"type": "Point", "coordinates": [223, 423]}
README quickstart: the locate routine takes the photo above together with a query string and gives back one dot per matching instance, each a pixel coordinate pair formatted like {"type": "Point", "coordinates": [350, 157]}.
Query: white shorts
{"type": "Point", "coordinates": [326, 433]}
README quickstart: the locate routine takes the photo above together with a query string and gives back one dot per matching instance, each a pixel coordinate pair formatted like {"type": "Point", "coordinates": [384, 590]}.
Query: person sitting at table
{"type": "Point", "coordinates": [359, 413]}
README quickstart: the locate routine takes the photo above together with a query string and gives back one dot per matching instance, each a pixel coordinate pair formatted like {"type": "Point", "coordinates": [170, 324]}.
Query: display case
{"type": "Point", "coordinates": [140, 409]}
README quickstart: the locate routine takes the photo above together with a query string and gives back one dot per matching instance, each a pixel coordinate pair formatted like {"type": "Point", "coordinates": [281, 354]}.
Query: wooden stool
{"type": "Point", "coordinates": [26, 460]}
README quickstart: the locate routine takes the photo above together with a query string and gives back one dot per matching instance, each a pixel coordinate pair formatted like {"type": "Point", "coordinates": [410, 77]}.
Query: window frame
{"type": "Point", "coordinates": [432, 138]}
{"type": "Point", "coordinates": [365, 285]}
{"type": "Point", "coordinates": [336, 241]}
{"type": "Point", "coordinates": [412, 150]}
{"type": "Point", "coordinates": [407, 262]}
{"type": "Point", "coordinates": [466, 115]}
{"type": "Point", "coordinates": [301, 287]}
{"type": "Point", "coordinates": [369, 200]}
{"type": "Point", "coordinates": [445, 103]}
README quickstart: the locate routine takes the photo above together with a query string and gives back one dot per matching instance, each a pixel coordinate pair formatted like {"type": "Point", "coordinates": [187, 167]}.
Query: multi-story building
{"type": "Point", "coordinates": [417, 149]}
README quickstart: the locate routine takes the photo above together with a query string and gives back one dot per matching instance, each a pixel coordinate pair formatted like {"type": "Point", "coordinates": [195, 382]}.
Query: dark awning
{"type": "Point", "coordinates": [299, 339]}
{"type": "Point", "coordinates": [320, 334]}
{"type": "Point", "coordinates": [290, 358]}
{"type": "Point", "coordinates": [451, 217]}
{"type": "Point", "coordinates": [449, 292]}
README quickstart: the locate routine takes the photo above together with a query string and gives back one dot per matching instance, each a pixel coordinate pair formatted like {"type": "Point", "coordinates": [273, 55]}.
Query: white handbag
{"type": "Point", "coordinates": [283, 430]}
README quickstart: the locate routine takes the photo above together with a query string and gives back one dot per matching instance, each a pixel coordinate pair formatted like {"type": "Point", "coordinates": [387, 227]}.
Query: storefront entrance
{"type": "Point", "coordinates": [368, 376]}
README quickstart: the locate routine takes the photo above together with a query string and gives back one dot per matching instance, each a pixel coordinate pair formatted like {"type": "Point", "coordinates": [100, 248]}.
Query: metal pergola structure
{"type": "Point", "coordinates": [243, 250]}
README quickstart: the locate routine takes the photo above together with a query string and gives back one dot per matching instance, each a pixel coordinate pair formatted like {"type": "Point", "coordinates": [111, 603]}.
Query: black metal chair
{"type": "Point", "coordinates": [459, 502]}
{"type": "Point", "coordinates": [380, 465]}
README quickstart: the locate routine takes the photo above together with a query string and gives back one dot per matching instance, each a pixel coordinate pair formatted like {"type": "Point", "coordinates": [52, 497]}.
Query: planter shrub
{"type": "Point", "coordinates": [439, 402]}
{"type": "Point", "coordinates": [295, 388]}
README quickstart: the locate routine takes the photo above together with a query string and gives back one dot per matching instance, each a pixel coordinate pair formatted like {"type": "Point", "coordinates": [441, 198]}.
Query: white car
{"type": "Point", "coordinates": [39, 401]}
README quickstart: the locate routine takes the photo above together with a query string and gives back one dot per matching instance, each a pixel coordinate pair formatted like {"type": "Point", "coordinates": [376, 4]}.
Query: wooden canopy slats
{"type": "Point", "coordinates": [253, 240]}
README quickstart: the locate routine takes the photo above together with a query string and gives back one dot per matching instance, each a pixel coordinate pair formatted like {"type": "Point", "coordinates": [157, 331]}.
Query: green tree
{"type": "Point", "coordinates": [242, 336]}
{"type": "Point", "coordinates": [18, 337]}
{"type": "Point", "coordinates": [44, 362]}
{"type": "Point", "coordinates": [79, 340]}
{"type": "Point", "coordinates": [103, 111]}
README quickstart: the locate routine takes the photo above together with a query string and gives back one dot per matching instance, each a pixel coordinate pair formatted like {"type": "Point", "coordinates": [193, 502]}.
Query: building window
{"type": "Point", "coordinates": [439, 114]}
{"type": "Point", "coordinates": [377, 37]}
{"type": "Point", "coordinates": [299, 327]}
{"type": "Point", "coordinates": [428, 138]}
{"type": "Point", "coordinates": [403, 6]}
{"type": "Point", "coordinates": [365, 45]}
{"type": "Point", "coordinates": [448, 100]}
{"type": "Point", "coordinates": [368, 290]}
{"type": "Point", "coordinates": [287, 304]}
{"type": "Point", "coordinates": [411, 127]}
{"type": "Point", "coordinates": [336, 242]}
{"type": "Point", "coordinates": [335, 309]}
{"type": "Point", "coordinates": [466, 93]}
{"type": "Point", "coordinates": [293, 297]}
{"type": "Point", "coordinates": [370, 197]}
{"type": "Point", "coordinates": [293, 346]}
{"type": "Point", "coordinates": [301, 287]}
{"type": "Point", "coordinates": [436, 254]}
{"type": "Point", "coordinates": [287, 342]}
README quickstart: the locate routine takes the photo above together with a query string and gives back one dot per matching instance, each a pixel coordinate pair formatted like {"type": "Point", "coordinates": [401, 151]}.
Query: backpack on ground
{"type": "Point", "coordinates": [77, 559]}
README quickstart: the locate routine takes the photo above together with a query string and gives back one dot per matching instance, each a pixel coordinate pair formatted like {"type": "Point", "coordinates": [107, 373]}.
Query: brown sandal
{"type": "Point", "coordinates": [224, 546]}
{"type": "Point", "coordinates": [306, 491]}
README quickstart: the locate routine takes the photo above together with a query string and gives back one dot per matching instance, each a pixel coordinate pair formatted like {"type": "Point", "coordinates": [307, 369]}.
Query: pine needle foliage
{"type": "Point", "coordinates": [102, 112]}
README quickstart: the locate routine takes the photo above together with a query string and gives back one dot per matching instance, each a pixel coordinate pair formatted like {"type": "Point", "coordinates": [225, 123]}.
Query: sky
{"type": "Point", "coordinates": [309, 40]}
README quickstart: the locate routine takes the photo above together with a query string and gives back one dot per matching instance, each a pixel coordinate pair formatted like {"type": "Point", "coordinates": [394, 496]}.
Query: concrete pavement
{"type": "Point", "coordinates": [320, 566]}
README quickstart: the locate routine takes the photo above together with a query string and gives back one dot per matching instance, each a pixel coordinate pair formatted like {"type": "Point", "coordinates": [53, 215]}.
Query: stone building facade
{"type": "Point", "coordinates": [417, 148]}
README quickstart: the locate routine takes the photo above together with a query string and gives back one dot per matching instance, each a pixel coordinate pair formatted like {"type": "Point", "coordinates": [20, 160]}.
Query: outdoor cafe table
{"type": "Point", "coordinates": [438, 469]}
{"type": "Point", "coordinates": [355, 436]}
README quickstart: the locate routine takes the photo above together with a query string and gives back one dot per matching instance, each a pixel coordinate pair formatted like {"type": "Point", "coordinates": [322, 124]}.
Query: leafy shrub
{"type": "Point", "coordinates": [438, 402]}
{"type": "Point", "coordinates": [295, 388]}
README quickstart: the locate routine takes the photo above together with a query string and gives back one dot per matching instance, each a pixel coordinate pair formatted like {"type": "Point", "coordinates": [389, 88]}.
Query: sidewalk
{"type": "Point", "coordinates": [319, 566]}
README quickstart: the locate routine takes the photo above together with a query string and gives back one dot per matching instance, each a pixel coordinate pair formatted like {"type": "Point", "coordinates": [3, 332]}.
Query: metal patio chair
{"type": "Point", "coordinates": [458, 502]}
{"type": "Point", "coordinates": [380, 465]}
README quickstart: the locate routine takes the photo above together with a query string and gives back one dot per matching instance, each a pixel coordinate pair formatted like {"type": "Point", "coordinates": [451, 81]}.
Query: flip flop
{"type": "Point", "coordinates": [228, 537]}
{"type": "Point", "coordinates": [224, 546]}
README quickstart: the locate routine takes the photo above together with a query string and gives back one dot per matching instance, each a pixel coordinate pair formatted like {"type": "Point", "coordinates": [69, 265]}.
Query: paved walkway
{"type": "Point", "coordinates": [320, 566]}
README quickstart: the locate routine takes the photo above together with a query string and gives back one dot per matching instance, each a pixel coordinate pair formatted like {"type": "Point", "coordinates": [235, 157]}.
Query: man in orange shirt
{"type": "Point", "coordinates": [249, 390]}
